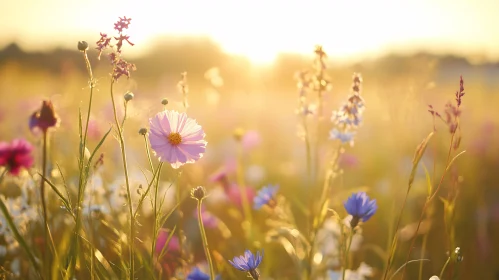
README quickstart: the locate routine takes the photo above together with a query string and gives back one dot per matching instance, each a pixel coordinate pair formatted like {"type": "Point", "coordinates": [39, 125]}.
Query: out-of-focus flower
{"type": "Point", "coordinates": [344, 137]}
{"type": "Point", "coordinates": [173, 244]}
{"type": "Point", "coordinates": [361, 273]}
{"type": "Point", "coordinates": [234, 194]}
{"type": "Point", "coordinates": [197, 274]}
{"type": "Point", "coordinates": [248, 262]}
{"type": "Point", "coordinates": [44, 118]}
{"type": "Point", "coordinates": [16, 156]}
{"type": "Point", "coordinates": [255, 174]}
{"type": "Point", "coordinates": [434, 277]}
{"type": "Point", "coordinates": [251, 139]}
{"type": "Point", "coordinates": [176, 139]}
{"type": "Point", "coordinates": [265, 196]}
{"type": "Point", "coordinates": [360, 207]}
{"type": "Point", "coordinates": [209, 220]}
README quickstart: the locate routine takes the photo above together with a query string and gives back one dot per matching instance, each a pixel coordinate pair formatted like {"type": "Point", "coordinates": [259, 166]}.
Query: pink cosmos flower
{"type": "Point", "coordinates": [16, 155]}
{"type": "Point", "coordinates": [176, 139]}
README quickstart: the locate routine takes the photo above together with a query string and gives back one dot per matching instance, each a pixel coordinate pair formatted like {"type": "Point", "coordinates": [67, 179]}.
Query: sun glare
{"type": "Point", "coordinates": [262, 29]}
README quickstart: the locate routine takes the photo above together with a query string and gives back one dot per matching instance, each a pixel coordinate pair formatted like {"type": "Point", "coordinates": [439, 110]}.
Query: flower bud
{"type": "Point", "coordinates": [128, 96]}
{"type": "Point", "coordinates": [143, 131]}
{"type": "Point", "coordinates": [198, 193]}
{"type": "Point", "coordinates": [164, 101]}
{"type": "Point", "coordinates": [82, 46]}
{"type": "Point", "coordinates": [44, 118]}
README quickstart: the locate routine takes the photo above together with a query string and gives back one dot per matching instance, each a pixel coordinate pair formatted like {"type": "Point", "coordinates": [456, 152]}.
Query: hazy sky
{"type": "Point", "coordinates": [260, 29]}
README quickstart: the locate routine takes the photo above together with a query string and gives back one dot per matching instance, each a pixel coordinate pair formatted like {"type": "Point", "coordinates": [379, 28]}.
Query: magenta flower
{"type": "Point", "coordinates": [16, 155]}
{"type": "Point", "coordinates": [176, 139]}
{"type": "Point", "coordinates": [173, 244]}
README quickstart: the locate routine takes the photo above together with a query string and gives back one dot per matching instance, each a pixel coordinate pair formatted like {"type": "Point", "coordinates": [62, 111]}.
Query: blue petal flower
{"type": "Point", "coordinates": [265, 196]}
{"type": "Point", "coordinates": [360, 207]}
{"type": "Point", "coordinates": [197, 274]}
{"type": "Point", "coordinates": [248, 262]}
{"type": "Point", "coordinates": [344, 137]}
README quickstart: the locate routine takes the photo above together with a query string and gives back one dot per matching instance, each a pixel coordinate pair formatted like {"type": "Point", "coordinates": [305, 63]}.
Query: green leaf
{"type": "Point", "coordinates": [428, 180]}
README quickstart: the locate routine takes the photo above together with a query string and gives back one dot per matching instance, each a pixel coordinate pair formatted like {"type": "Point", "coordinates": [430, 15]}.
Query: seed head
{"type": "Point", "coordinates": [128, 96]}
{"type": "Point", "coordinates": [143, 131]}
{"type": "Point", "coordinates": [82, 46]}
{"type": "Point", "coordinates": [198, 193]}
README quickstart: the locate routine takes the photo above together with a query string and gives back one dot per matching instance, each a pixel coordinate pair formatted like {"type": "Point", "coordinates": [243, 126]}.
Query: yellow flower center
{"type": "Point", "coordinates": [174, 138]}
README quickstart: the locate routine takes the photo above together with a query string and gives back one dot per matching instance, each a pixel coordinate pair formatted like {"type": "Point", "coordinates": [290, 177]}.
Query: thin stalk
{"type": "Point", "coordinates": [345, 266]}
{"type": "Point", "coordinates": [156, 215]}
{"type": "Point", "coordinates": [307, 146]}
{"type": "Point", "coordinates": [81, 181]}
{"type": "Point", "coordinates": [44, 205]}
{"type": "Point", "coordinates": [205, 241]}
{"type": "Point", "coordinates": [427, 203]}
{"type": "Point", "coordinates": [127, 183]}
{"type": "Point", "coordinates": [423, 251]}
{"type": "Point", "coordinates": [444, 267]}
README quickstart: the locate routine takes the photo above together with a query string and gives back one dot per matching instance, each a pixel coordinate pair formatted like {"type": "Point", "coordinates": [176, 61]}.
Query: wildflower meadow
{"type": "Point", "coordinates": [358, 172]}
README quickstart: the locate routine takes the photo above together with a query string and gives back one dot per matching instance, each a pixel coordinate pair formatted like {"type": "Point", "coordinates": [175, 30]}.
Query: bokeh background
{"type": "Point", "coordinates": [241, 58]}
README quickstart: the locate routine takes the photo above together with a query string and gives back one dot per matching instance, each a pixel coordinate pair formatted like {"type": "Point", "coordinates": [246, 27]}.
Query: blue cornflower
{"type": "Point", "coordinates": [248, 262]}
{"type": "Point", "coordinates": [344, 137]}
{"type": "Point", "coordinates": [265, 196]}
{"type": "Point", "coordinates": [360, 207]}
{"type": "Point", "coordinates": [197, 274]}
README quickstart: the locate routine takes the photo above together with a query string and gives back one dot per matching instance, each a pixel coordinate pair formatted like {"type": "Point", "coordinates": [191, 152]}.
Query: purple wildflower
{"type": "Point", "coordinates": [176, 139]}
{"type": "Point", "coordinates": [360, 207]}
{"type": "Point", "coordinates": [248, 262]}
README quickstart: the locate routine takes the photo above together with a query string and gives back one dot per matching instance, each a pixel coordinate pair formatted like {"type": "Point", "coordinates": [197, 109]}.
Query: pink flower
{"type": "Point", "coordinates": [16, 155]}
{"type": "Point", "coordinates": [234, 194]}
{"type": "Point", "coordinates": [172, 246]}
{"type": "Point", "coordinates": [176, 139]}
{"type": "Point", "coordinates": [251, 139]}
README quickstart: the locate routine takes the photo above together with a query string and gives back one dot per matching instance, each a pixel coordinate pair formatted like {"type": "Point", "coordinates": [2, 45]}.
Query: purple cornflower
{"type": "Point", "coordinates": [360, 207]}
{"type": "Point", "coordinates": [197, 274]}
{"type": "Point", "coordinates": [343, 136]}
{"type": "Point", "coordinates": [176, 139]}
{"type": "Point", "coordinates": [265, 196]}
{"type": "Point", "coordinates": [16, 155]}
{"type": "Point", "coordinates": [248, 262]}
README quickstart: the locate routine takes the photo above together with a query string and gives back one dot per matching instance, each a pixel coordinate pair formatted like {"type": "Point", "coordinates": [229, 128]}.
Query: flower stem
{"type": "Point", "coordinates": [156, 214]}
{"type": "Point", "coordinates": [44, 204]}
{"type": "Point", "coordinates": [444, 267]}
{"type": "Point", "coordinates": [346, 264]}
{"type": "Point", "coordinates": [121, 140]}
{"type": "Point", "coordinates": [427, 203]}
{"type": "Point", "coordinates": [205, 241]}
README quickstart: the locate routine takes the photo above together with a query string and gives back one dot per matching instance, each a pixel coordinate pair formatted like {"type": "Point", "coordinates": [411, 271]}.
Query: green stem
{"type": "Point", "coordinates": [429, 200]}
{"type": "Point", "coordinates": [347, 252]}
{"type": "Point", "coordinates": [443, 268]}
{"type": "Point", "coordinates": [44, 205]}
{"type": "Point", "coordinates": [205, 241]}
{"type": "Point", "coordinates": [73, 252]}
{"type": "Point", "coordinates": [156, 215]}
{"type": "Point", "coordinates": [127, 183]}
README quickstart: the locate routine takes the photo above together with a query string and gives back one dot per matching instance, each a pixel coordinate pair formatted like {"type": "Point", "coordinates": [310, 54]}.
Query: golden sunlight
{"type": "Point", "coordinates": [262, 29]}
